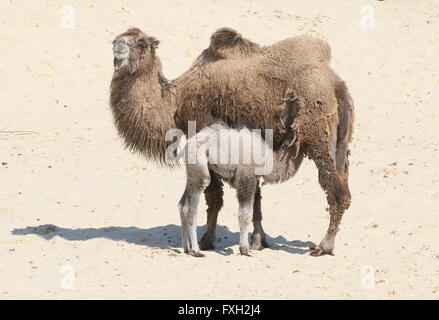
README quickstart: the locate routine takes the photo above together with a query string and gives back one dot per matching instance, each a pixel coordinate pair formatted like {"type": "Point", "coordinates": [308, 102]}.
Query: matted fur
{"type": "Point", "coordinates": [234, 80]}
{"type": "Point", "coordinates": [248, 88]}
{"type": "Point", "coordinates": [241, 83]}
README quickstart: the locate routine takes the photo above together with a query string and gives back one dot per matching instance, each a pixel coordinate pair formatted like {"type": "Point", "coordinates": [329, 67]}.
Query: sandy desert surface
{"type": "Point", "coordinates": [81, 217]}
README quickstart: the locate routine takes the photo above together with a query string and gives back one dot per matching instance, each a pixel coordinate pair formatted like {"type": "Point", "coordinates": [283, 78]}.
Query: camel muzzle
{"type": "Point", "coordinates": [120, 49]}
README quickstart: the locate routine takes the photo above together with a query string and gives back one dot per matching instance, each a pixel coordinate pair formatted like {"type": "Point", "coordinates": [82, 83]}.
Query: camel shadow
{"type": "Point", "coordinates": [294, 246]}
{"type": "Point", "coordinates": [163, 237]}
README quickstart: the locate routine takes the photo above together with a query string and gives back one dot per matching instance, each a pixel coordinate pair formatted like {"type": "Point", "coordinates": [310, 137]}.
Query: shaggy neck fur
{"type": "Point", "coordinates": [142, 107]}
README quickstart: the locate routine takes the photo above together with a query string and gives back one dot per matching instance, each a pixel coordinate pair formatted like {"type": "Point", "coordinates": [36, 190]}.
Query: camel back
{"type": "Point", "coordinates": [250, 84]}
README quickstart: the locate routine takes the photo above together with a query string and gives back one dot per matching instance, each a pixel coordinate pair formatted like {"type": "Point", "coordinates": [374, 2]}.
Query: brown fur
{"type": "Point", "coordinates": [226, 43]}
{"type": "Point", "coordinates": [242, 96]}
{"type": "Point", "coordinates": [214, 199]}
{"type": "Point", "coordinates": [247, 88]}
{"type": "Point", "coordinates": [141, 100]}
{"type": "Point", "coordinates": [239, 82]}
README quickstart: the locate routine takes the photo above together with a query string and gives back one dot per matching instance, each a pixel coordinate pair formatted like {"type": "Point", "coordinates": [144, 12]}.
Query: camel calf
{"type": "Point", "coordinates": [211, 154]}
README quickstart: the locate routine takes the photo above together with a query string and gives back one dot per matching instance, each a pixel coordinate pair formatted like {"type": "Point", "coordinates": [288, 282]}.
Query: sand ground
{"type": "Point", "coordinates": [116, 231]}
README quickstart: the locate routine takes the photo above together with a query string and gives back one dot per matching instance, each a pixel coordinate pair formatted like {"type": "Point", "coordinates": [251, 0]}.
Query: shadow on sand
{"type": "Point", "coordinates": [163, 237]}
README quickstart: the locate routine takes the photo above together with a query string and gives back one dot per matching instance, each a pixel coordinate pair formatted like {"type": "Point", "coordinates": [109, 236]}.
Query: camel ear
{"type": "Point", "coordinates": [155, 42]}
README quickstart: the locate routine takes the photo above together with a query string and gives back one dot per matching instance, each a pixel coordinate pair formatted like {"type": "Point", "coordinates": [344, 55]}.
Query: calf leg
{"type": "Point", "coordinates": [246, 188]}
{"type": "Point", "coordinates": [259, 237]}
{"type": "Point", "coordinates": [214, 199]}
{"type": "Point", "coordinates": [182, 208]}
{"type": "Point", "coordinates": [197, 179]}
{"type": "Point", "coordinates": [193, 198]}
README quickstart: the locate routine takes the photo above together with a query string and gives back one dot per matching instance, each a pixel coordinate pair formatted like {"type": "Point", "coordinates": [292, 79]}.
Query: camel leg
{"type": "Point", "coordinates": [214, 199]}
{"type": "Point", "coordinates": [336, 183]}
{"type": "Point", "coordinates": [197, 180]}
{"type": "Point", "coordinates": [246, 188]}
{"type": "Point", "coordinates": [259, 241]}
{"type": "Point", "coordinates": [182, 208]}
{"type": "Point", "coordinates": [333, 178]}
{"type": "Point", "coordinates": [193, 198]}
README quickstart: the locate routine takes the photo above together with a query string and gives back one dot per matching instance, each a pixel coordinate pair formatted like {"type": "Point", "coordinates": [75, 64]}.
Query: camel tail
{"type": "Point", "coordinates": [345, 125]}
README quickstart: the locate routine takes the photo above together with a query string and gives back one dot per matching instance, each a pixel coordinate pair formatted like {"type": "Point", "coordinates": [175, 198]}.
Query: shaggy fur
{"type": "Point", "coordinates": [226, 43]}
{"type": "Point", "coordinates": [141, 100]}
{"type": "Point", "coordinates": [246, 85]}
{"type": "Point", "coordinates": [239, 82]}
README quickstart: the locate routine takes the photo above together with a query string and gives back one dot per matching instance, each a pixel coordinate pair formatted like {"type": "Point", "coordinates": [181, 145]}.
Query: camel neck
{"type": "Point", "coordinates": [143, 110]}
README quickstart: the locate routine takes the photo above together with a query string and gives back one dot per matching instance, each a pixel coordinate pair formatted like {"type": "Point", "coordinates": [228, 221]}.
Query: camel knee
{"type": "Point", "coordinates": [205, 181]}
{"type": "Point", "coordinates": [182, 205]}
{"type": "Point", "coordinates": [198, 183]}
{"type": "Point", "coordinates": [338, 190]}
{"type": "Point", "coordinates": [246, 188]}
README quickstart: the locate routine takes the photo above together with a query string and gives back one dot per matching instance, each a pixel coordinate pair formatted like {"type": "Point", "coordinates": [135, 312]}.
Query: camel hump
{"type": "Point", "coordinates": [227, 43]}
{"type": "Point", "coordinates": [304, 48]}
{"type": "Point", "coordinates": [224, 36]}
{"type": "Point", "coordinates": [315, 48]}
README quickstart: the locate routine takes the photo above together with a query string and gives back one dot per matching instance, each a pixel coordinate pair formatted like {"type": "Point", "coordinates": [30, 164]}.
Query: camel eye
{"type": "Point", "coordinates": [141, 45]}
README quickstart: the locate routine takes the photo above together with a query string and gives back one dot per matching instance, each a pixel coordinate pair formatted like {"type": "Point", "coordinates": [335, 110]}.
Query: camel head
{"type": "Point", "coordinates": [134, 50]}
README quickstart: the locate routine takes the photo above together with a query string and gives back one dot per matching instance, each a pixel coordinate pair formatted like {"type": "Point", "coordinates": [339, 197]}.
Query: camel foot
{"type": "Point", "coordinates": [317, 251]}
{"type": "Point", "coordinates": [244, 250]}
{"type": "Point", "coordinates": [258, 242]}
{"type": "Point", "coordinates": [198, 254]}
{"type": "Point", "coordinates": [207, 242]}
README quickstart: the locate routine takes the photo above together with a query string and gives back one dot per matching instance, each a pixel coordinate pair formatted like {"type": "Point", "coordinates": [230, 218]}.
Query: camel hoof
{"type": "Point", "coordinates": [207, 242]}
{"type": "Point", "coordinates": [198, 254]}
{"type": "Point", "coordinates": [259, 243]}
{"type": "Point", "coordinates": [317, 251]}
{"type": "Point", "coordinates": [244, 250]}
